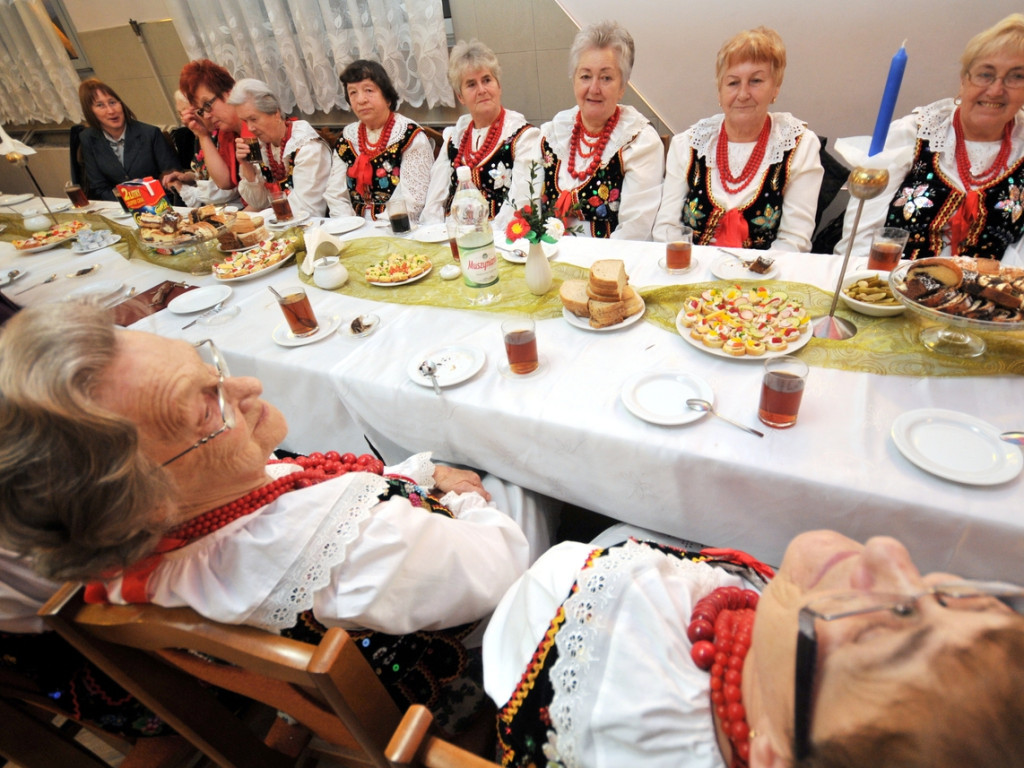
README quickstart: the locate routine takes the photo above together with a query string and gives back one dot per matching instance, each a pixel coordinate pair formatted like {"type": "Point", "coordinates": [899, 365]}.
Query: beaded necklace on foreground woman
{"type": "Point", "coordinates": [380, 150]}
{"type": "Point", "coordinates": [603, 160]}
{"type": "Point", "coordinates": [956, 184]}
{"type": "Point", "coordinates": [496, 143]}
{"type": "Point", "coordinates": [293, 156]}
{"type": "Point", "coordinates": [746, 178]}
{"type": "Point", "coordinates": [643, 655]}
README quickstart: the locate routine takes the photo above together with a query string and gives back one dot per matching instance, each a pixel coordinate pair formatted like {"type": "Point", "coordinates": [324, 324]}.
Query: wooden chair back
{"type": "Point", "coordinates": [413, 745]}
{"type": "Point", "coordinates": [329, 688]}
{"type": "Point", "coordinates": [436, 138]}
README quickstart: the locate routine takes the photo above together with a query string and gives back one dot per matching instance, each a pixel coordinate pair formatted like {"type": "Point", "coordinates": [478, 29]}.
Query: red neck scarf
{"type": "Point", "coordinates": [362, 170]}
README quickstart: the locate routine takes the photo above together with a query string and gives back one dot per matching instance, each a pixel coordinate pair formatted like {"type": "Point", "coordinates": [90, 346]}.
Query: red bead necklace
{"type": "Point", "coordinates": [466, 154]}
{"type": "Point", "coordinates": [316, 468]}
{"type": "Point", "coordinates": [277, 167]}
{"type": "Point", "coordinates": [372, 149]}
{"type": "Point", "coordinates": [595, 145]}
{"type": "Point", "coordinates": [963, 162]}
{"type": "Point", "coordinates": [720, 630]}
{"type": "Point", "coordinates": [733, 184]}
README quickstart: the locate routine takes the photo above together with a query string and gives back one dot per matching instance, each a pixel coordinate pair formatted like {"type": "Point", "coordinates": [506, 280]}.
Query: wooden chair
{"type": "Point", "coordinates": [436, 138]}
{"type": "Point", "coordinates": [161, 654]}
{"type": "Point", "coordinates": [413, 746]}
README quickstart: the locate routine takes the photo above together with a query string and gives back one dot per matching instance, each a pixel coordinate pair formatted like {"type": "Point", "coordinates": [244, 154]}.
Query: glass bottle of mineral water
{"type": "Point", "coordinates": [477, 254]}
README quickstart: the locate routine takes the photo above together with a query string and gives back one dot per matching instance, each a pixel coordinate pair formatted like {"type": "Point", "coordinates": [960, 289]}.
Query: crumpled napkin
{"type": "Point", "coordinates": [318, 245]}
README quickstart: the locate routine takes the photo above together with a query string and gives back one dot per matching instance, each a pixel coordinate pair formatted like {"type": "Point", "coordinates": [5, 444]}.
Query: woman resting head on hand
{"type": "Point", "coordinates": [850, 657]}
{"type": "Point", "coordinates": [747, 178]}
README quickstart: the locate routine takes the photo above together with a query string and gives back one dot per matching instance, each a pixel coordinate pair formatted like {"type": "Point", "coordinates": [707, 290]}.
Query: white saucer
{"type": "Point", "coordinates": [374, 324]}
{"type": "Point", "coordinates": [284, 337]}
{"type": "Point", "coordinates": [40, 211]}
{"type": "Point", "coordinates": [455, 365]}
{"type": "Point", "coordinates": [5, 280]}
{"type": "Point", "coordinates": [431, 233]}
{"type": "Point", "coordinates": [342, 225]}
{"type": "Point", "coordinates": [297, 219]}
{"type": "Point", "coordinates": [694, 263]}
{"type": "Point", "coordinates": [729, 267]}
{"type": "Point", "coordinates": [542, 367]}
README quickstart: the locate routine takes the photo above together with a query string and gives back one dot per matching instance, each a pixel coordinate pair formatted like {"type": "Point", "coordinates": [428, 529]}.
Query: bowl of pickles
{"type": "Point", "coordinates": [867, 291]}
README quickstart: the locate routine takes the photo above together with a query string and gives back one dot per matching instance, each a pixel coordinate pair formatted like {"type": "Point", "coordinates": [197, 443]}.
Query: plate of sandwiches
{"type": "Point", "coordinates": [603, 302]}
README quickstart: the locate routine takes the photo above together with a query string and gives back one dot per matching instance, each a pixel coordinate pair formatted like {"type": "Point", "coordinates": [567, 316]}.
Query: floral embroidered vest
{"type": "Point", "coordinates": [387, 171]}
{"type": "Point", "coordinates": [524, 723]}
{"type": "Point", "coordinates": [763, 213]}
{"type": "Point", "coordinates": [927, 200]}
{"type": "Point", "coordinates": [597, 198]}
{"type": "Point", "coordinates": [493, 177]}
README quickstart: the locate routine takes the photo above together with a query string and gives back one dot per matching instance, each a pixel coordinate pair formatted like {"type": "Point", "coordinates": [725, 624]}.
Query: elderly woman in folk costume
{"type": "Point", "coordinates": [293, 156]}
{"type": "Point", "coordinates": [746, 178]}
{"type": "Point", "coordinates": [603, 160]}
{"type": "Point", "coordinates": [955, 183]}
{"type": "Point", "coordinates": [497, 143]}
{"type": "Point", "coordinates": [380, 150]}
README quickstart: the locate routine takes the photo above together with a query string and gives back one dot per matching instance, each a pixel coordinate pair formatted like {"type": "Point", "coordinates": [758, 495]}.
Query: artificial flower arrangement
{"type": "Point", "coordinates": [528, 223]}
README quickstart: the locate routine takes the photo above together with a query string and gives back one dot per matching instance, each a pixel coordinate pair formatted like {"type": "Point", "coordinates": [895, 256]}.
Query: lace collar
{"type": "Point", "coordinates": [559, 131]}
{"type": "Point", "coordinates": [513, 122]}
{"type": "Point", "coordinates": [351, 131]}
{"type": "Point", "coordinates": [935, 125]}
{"type": "Point", "coordinates": [302, 134]}
{"type": "Point", "coordinates": [786, 129]}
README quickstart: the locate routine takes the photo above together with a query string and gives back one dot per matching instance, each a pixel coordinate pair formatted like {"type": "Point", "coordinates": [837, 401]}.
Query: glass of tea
{"type": "Point", "coordinates": [782, 388]}
{"type": "Point", "coordinates": [398, 214]}
{"type": "Point", "coordinates": [679, 252]}
{"type": "Point", "coordinates": [297, 311]}
{"type": "Point", "coordinates": [520, 337]}
{"type": "Point", "coordinates": [887, 246]}
{"type": "Point", "coordinates": [254, 148]}
{"type": "Point", "coordinates": [453, 234]}
{"type": "Point", "coordinates": [76, 194]}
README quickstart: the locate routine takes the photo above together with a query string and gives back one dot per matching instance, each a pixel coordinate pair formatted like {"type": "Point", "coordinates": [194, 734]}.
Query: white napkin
{"type": "Point", "coordinates": [854, 150]}
{"type": "Point", "coordinates": [319, 244]}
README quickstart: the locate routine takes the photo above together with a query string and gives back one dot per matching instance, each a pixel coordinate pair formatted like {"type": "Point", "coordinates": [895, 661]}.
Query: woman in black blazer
{"type": "Point", "coordinates": [116, 147]}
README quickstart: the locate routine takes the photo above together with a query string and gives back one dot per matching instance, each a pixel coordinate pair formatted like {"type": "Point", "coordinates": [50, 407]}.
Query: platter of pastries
{"type": "Point", "coordinates": [744, 323]}
{"type": "Point", "coordinates": [962, 291]}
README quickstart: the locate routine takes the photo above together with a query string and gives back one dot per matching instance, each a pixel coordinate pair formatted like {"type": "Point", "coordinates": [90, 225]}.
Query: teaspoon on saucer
{"type": "Point", "coordinates": [697, 404]}
{"type": "Point", "coordinates": [1017, 438]}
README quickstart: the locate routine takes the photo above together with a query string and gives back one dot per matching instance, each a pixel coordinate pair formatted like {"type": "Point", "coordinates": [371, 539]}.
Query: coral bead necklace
{"type": "Point", "coordinates": [278, 168]}
{"type": "Point", "coordinates": [963, 162]}
{"type": "Point", "coordinates": [372, 149]}
{"type": "Point", "coordinates": [720, 629]}
{"type": "Point", "coordinates": [595, 145]}
{"type": "Point", "coordinates": [733, 184]}
{"type": "Point", "coordinates": [467, 156]}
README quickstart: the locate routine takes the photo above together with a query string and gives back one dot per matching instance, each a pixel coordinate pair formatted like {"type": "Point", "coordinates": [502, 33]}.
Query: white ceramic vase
{"type": "Point", "coordinates": [538, 271]}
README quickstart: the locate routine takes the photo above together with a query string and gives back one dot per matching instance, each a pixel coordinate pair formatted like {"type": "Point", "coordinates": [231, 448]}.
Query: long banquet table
{"type": "Point", "coordinates": [565, 431]}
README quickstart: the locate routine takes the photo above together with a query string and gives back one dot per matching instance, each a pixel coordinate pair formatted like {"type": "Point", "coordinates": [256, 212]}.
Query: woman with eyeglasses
{"type": "Point", "coordinates": [955, 165]}
{"type": "Point", "coordinates": [215, 124]}
{"type": "Point", "coordinates": [140, 463]}
{"type": "Point", "coordinates": [639, 654]}
{"type": "Point", "coordinates": [115, 146]}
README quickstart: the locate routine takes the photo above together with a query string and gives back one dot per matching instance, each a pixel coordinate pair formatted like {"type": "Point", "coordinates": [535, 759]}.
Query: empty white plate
{"type": "Point", "coordinates": [199, 299]}
{"type": "Point", "coordinates": [660, 398]}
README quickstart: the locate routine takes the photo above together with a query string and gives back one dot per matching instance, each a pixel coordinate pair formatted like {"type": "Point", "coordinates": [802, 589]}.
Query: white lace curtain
{"type": "Point", "coordinates": [299, 47]}
{"type": "Point", "coordinates": [37, 80]}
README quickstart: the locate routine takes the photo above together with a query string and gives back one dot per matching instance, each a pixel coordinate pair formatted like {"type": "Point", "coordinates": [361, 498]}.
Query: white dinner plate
{"type": "Point", "coordinates": [660, 398]}
{"type": "Point", "coordinates": [342, 225]}
{"type": "Point", "coordinates": [116, 213]}
{"type": "Point", "coordinates": [420, 276]}
{"type": "Point", "coordinates": [297, 219]}
{"type": "Point", "coordinates": [794, 346]}
{"type": "Point", "coordinates": [5, 280]}
{"type": "Point", "coordinates": [454, 365]}
{"type": "Point", "coordinates": [47, 246]}
{"type": "Point", "coordinates": [515, 253]}
{"type": "Point", "coordinates": [584, 323]}
{"type": "Point", "coordinates": [77, 247]}
{"type": "Point", "coordinates": [199, 299]}
{"type": "Point", "coordinates": [283, 336]}
{"type": "Point", "coordinates": [727, 267]}
{"type": "Point", "coordinates": [370, 322]}
{"type": "Point", "coordinates": [956, 446]}
{"type": "Point", "coordinates": [102, 289]}
{"type": "Point", "coordinates": [431, 233]}
{"type": "Point", "coordinates": [258, 273]}
{"type": "Point", "coordinates": [40, 211]}
{"type": "Point", "coordinates": [15, 199]}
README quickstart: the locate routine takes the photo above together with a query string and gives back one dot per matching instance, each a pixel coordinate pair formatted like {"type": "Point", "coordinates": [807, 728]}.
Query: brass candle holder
{"type": "Point", "coordinates": [864, 184]}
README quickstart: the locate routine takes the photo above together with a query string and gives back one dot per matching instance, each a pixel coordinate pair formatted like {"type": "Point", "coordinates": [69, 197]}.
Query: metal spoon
{"type": "Point", "coordinates": [1016, 438]}
{"type": "Point", "coordinates": [50, 279]}
{"type": "Point", "coordinates": [429, 368]}
{"type": "Point", "coordinates": [12, 274]}
{"type": "Point", "coordinates": [697, 404]}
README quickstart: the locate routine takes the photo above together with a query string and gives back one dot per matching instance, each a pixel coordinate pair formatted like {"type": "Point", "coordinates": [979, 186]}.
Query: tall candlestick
{"type": "Point", "coordinates": [888, 105]}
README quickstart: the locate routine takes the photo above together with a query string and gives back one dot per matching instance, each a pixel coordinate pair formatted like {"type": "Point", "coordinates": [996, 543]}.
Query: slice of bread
{"type": "Point", "coordinates": [605, 313]}
{"type": "Point", "coordinates": [632, 301]}
{"type": "Point", "coordinates": [574, 297]}
{"type": "Point", "coordinates": [252, 238]}
{"type": "Point", "coordinates": [608, 278]}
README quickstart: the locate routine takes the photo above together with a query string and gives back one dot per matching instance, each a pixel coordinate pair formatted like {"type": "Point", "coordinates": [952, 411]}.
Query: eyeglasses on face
{"type": "Point", "coordinates": [203, 109]}
{"type": "Point", "coordinates": [986, 77]}
{"type": "Point", "coordinates": [227, 414]}
{"type": "Point", "coordinates": [957, 596]}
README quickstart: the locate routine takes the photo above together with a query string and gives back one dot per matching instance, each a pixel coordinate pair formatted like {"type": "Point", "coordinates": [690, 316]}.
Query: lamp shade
{"type": "Point", "coordinates": [8, 145]}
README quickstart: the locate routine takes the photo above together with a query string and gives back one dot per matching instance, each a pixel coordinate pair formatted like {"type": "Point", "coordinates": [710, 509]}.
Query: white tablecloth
{"type": "Point", "coordinates": [565, 431]}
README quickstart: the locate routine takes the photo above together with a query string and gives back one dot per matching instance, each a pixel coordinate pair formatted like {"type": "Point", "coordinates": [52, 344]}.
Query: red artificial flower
{"type": "Point", "coordinates": [517, 229]}
{"type": "Point", "coordinates": [527, 209]}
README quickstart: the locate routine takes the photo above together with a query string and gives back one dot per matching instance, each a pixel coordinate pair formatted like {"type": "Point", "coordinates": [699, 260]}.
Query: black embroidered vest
{"type": "Point", "coordinates": [927, 199]}
{"type": "Point", "coordinates": [598, 197]}
{"type": "Point", "coordinates": [484, 174]}
{"type": "Point", "coordinates": [387, 171]}
{"type": "Point", "coordinates": [702, 212]}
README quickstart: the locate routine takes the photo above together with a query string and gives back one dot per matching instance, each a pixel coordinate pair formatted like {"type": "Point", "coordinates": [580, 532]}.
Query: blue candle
{"type": "Point", "coordinates": [888, 105]}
